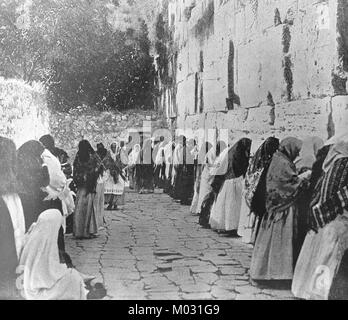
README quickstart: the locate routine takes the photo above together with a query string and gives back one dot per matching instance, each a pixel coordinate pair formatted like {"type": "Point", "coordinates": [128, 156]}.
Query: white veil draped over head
{"type": "Point", "coordinates": [44, 277]}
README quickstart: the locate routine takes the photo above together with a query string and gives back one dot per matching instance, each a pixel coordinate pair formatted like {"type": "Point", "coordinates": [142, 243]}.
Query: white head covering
{"type": "Point", "coordinates": [221, 163]}
{"type": "Point", "coordinates": [178, 154]}
{"type": "Point", "coordinates": [59, 184]}
{"type": "Point", "coordinates": [308, 153]}
{"type": "Point", "coordinates": [337, 151]}
{"type": "Point", "coordinates": [45, 278]}
{"type": "Point", "coordinates": [168, 154]}
{"type": "Point", "coordinates": [337, 138]}
{"type": "Point", "coordinates": [134, 155]}
{"type": "Point", "coordinates": [160, 155]}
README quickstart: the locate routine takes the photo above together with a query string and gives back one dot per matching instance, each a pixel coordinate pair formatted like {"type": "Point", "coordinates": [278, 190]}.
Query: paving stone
{"type": "Point", "coordinates": [153, 248]}
{"type": "Point", "coordinates": [198, 287]}
{"type": "Point", "coordinates": [247, 290]}
{"type": "Point", "coordinates": [232, 270]}
{"type": "Point", "coordinates": [223, 294]}
{"type": "Point", "coordinates": [197, 296]}
{"type": "Point", "coordinates": [208, 268]}
{"type": "Point", "coordinates": [208, 278]}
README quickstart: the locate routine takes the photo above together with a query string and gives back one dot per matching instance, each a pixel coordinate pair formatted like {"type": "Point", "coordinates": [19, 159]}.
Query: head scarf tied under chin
{"type": "Point", "coordinates": [282, 182]}
{"type": "Point", "coordinates": [45, 278]}
{"type": "Point", "coordinates": [309, 151]}
{"type": "Point", "coordinates": [291, 147]}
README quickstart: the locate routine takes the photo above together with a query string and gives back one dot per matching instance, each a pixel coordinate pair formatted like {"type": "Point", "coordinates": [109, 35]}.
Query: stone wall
{"type": "Point", "coordinates": [24, 115]}
{"type": "Point", "coordinates": [106, 127]}
{"type": "Point", "coordinates": [23, 111]}
{"type": "Point", "coordinates": [260, 67]}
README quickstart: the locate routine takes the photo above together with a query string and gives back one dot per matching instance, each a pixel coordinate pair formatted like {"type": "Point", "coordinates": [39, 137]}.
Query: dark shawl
{"type": "Point", "coordinates": [87, 167]}
{"type": "Point", "coordinates": [283, 183]}
{"type": "Point", "coordinates": [238, 162]}
{"type": "Point", "coordinates": [114, 167]}
{"type": "Point", "coordinates": [101, 151]}
{"type": "Point", "coordinates": [330, 195]}
{"type": "Point", "coordinates": [86, 173]}
{"type": "Point", "coordinates": [255, 180]}
{"type": "Point", "coordinates": [32, 176]}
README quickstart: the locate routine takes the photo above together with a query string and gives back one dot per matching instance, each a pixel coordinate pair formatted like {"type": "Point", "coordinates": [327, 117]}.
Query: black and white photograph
{"type": "Point", "coordinates": [183, 151]}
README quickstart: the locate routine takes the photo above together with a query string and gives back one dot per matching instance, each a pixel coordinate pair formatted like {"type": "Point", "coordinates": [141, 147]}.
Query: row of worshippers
{"type": "Point", "coordinates": [290, 201]}
{"type": "Point", "coordinates": [175, 167]}
{"type": "Point", "coordinates": [35, 199]}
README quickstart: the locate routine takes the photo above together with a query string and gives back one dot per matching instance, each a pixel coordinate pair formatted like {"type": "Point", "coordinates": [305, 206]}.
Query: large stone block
{"type": "Point", "coordinates": [259, 69]}
{"type": "Point", "coordinates": [303, 118]}
{"type": "Point", "coordinates": [340, 114]}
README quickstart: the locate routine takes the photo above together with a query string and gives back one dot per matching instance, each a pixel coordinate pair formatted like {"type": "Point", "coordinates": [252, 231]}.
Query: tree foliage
{"type": "Point", "coordinates": [75, 48]}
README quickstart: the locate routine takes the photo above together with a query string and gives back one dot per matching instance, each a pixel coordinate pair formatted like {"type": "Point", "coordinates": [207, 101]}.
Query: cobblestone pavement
{"type": "Point", "coordinates": [153, 248]}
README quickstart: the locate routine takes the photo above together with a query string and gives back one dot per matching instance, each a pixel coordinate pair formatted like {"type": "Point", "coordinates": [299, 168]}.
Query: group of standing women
{"type": "Point", "coordinates": [289, 200]}
{"type": "Point", "coordinates": [175, 168]}
{"type": "Point", "coordinates": [34, 200]}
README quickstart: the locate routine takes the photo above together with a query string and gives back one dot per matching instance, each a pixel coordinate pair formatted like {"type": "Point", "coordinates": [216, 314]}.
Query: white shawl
{"type": "Point", "coordinates": [44, 277]}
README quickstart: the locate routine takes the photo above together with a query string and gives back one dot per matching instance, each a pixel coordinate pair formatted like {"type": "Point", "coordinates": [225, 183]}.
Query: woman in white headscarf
{"type": "Point", "coordinates": [178, 160]}
{"type": "Point", "coordinates": [168, 160]}
{"type": "Point", "coordinates": [43, 276]}
{"type": "Point", "coordinates": [209, 154]}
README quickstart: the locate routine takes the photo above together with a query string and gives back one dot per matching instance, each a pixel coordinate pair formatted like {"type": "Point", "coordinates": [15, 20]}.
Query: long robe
{"type": "Point", "coordinates": [274, 254]}
{"type": "Point", "coordinates": [327, 241]}
{"type": "Point", "coordinates": [85, 177]}
{"type": "Point", "coordinates": [254, 191]}
{"type": "Point", "coordinates": [227, 184]}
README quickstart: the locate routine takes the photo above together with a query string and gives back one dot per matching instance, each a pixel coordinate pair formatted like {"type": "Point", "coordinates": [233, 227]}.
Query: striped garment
{"type": "Point", "coordinates": [330, 195]}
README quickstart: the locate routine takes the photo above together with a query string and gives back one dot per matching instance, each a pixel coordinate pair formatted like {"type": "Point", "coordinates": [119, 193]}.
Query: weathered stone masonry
{"type": "Point", "coordinates": [258, 67]}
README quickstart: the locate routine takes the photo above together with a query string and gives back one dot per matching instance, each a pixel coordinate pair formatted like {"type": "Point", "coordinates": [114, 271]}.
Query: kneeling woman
{"type": "Point", "coordinates": [44, 277]}
{"type": "Point", "coordinates": [225, 212]}
{"type": "Point", "coordinates": [274, 257]}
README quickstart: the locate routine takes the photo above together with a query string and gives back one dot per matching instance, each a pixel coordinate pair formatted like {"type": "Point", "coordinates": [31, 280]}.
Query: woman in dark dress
{"type": "Point", "coordinates": [255, 190]}
{"type": "Point", "coordinates": [87, 169]}
{"type": "Point", "coordinates": [274, 255]}
{"type": "Point", "coordinates": [186, 180]}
